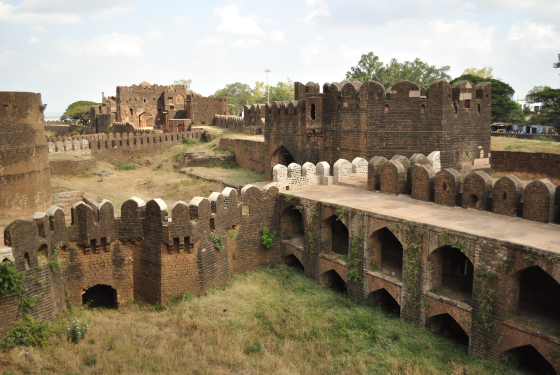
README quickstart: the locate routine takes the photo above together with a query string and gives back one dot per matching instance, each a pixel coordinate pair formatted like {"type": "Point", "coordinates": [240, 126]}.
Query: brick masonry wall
{"type": "Point", "coordinates": [248, 153]}
{"type": "Point", "coordinates": [529, 162]}
{"type": "Point", "coordinates": [24, 169]}
{"type": "Point", "coordinates": [71, 166]}
{"type": "Point", "coordinates": [354, 119]}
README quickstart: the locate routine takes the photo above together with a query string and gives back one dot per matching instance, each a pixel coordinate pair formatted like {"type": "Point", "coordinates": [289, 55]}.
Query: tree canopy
{"type": "Point", "coordinates": [485, 72]}
{"type": "Point", "coordinates": [371, 68]}
{"type": "Point", "coordinates": [183, 82]}
{"type": "Point", "coordinates": [240, 94]}
{"type": "Point", "coordinates": [78, 111]}
{"type": "Point", "coordinates": [503, 108]}
{"type": "Point", "coordinates": [550, 99]}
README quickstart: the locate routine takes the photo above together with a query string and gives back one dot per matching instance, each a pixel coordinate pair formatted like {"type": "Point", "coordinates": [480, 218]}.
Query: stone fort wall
{"type": "Point", "coordinates": [349, 119]}
{"type": "Point", "coordinates": [529, 162]}
{"type": "Point", "coordinates": [119, 147]}
{"type": "Point", "coordinates": [25, 183]}
{"type": "Point", "coordinates": [150, 253]}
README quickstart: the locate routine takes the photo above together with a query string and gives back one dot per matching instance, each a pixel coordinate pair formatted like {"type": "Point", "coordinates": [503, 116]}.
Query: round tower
{"type": "Point", "coordinates": [25, 176]}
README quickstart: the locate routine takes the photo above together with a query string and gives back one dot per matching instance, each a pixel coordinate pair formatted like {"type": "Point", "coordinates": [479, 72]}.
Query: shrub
{"type": "Point", "coordinates": [267, 238]}
{"type": "Point", "coordinates": [10, 279]}
{"type": "Point", "coordinates": [125, 167]}
{"type": "Point", "coordinates": [77, 332]}
{"type": "Point", "coordinates": [29, 332]}
{"type": "Point", "coordinates": [217, 240]}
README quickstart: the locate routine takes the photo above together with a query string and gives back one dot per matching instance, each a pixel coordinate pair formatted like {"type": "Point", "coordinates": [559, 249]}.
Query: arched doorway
{"type": "Point", "coordinates": [100, 296]}
{"type": "Point", "coordinates": [539, 298]}
{"type": "Point", "coordinates": [451, 273]}
{"type": "Point", "coordinates": [335, 233]}
{"type": "Point", "coordinates": [292, 261]}
{"type": "Point", "coordinates": [333, 280]}
{"type": "Point", "coordinates": [383, 299]}
{"type": "Point", "coordinates": [445, 325]}
{"type": "Point", "coordinates": [386, 251]}
{"type": "Point", "coordinates": [145, 120]}
{"type": "Point", "coordinates": [291, 223]}
{"type": "Point", "coordinates": [282, 156]}
{"type": "Point", "coordinates": [528, 360]}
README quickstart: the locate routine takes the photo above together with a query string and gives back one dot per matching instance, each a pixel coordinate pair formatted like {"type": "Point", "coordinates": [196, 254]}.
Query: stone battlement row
{"type": "Point", "coordinates": [94, 224]}
{"type": "Point", "coordinates": [420, 178]}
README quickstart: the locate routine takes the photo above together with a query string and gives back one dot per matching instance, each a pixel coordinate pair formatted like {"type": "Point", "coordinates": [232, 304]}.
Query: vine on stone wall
{"type": "Point", "coordinates": [444, 239]}
{"type": "Point", "coordinates": [411, 264]}
{"type": "Point", "coordinates": [217, 240]}
{"type": "Point", "coordinates": [355, 261]}
{"type": "Point", "coordinates": [485, 299]}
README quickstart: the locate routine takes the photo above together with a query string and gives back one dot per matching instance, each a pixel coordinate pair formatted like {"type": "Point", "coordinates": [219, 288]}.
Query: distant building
{"type": "Point", "coordinates": [153, 107]}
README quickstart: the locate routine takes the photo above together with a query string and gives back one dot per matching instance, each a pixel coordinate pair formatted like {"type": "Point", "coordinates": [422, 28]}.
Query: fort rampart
{"type": "Point", "coordinates": [436, 263]}
{"type": "Point", "coordinates": [120, 147]}
{"type": "Point", "coordinates": [528, 162]}
{"type": "Point", "coordinates": [249, 153]}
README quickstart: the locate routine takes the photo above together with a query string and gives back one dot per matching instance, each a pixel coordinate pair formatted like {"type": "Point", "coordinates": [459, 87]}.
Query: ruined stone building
{"type": "Point", "coordinates": [153, 107]}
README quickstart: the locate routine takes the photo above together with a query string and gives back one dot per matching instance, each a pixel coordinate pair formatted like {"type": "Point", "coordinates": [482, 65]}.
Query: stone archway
{"type": "Point", "coordinates": [100, 295]}
{"type": "Point", "coordinates": [145, 120]}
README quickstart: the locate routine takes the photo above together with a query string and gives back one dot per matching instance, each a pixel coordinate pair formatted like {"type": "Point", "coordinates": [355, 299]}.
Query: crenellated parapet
{"type": "Point", "coordinates": [355, 118]}
{"type": "Point", "coordinates": [420, 178]}
{"type": "Point", "coordinates": [147, 253]}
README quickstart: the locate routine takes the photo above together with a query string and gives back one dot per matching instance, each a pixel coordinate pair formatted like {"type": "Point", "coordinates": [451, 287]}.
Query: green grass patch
{"type": "Point", "coordinates": [125, 167]}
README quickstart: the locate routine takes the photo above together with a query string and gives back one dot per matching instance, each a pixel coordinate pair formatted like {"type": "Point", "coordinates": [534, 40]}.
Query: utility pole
{"type": "Point", "coordinates": [267, 90]}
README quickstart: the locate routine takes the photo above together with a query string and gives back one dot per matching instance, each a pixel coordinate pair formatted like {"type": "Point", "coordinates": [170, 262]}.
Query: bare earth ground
{"type": "Point", "coordinates": [155, 176]}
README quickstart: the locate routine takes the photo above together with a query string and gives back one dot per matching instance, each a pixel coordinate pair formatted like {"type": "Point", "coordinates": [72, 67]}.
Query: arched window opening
{"type": "Point", "coordinates": [451, 273]}
{"type": "Point", "coordinates": [467, 103]}
{"type": "Point", "coordinates": [422, 108]}
{"type": "Point", "coordinates": [383, 299]}
{"type": "Point", "coordinates": [100, 296]}
{"type": "Point", "coordinates": [282, 156]}
{"type": "Point", "coordinates": [444, 187]}
{"type": "Point", "coordinates": [333, 280]}
{"type": "Point", "coordinates": [131, 112]}
{"type": "Point", "coordinates": [539, 298]}
{"type": "Point", "coordinates": [291, 226]}
{"type": "Point", "coordinates": [386, 108]}
{"type": "Point", "coordinates": [42, 255]}
{"type": "Point", "coordinates": [504, 195]}
{"type": "Point", "coordinates": [27, 262]}
{"type": "Point", "coordinates": [340, 237]}
{"type": "Point", "coordinates": [473, 201]}
{"type": "Point", "coordinates": [446, 326]}
{"type": "Point", "coordinates": [292, 261]}
{"type": "Point", "coordinates": [528, 360]}
{"type": "Point", "coordinates": [313, 112]}
{"type": "Point", "coordinates": [386, 251]}
{"type": "Point", "coordinates": [478, 108]}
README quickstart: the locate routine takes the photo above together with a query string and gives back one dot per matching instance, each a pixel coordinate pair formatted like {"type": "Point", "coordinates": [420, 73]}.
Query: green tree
{"type": "Point", "coordinates": [183, 82]}
{"type": "Point", "coordinates": [550, 99]}
{"type": "Point", "coordinates": [78, 111]}
{"type": "Point", "coordinates": [557, 64]}
{"type": "Point", "coordinates": [370, 68]}
{"type": "Point", "coordinates": [502, 105]}
{"type": "Point", "coordinates": [282, 91]}
{"type": "Point", "coordinates": [485, 72]}
{"type": "Point", "coordinates": [238, 94]}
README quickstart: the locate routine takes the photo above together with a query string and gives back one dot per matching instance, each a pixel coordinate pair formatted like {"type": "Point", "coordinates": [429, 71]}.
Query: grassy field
{"type": "Point", "coordinates": [524, 145]}
{"type": "Point", "coordinates": [271, 321]}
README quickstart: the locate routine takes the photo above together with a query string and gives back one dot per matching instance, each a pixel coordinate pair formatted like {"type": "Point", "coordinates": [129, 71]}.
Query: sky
{"type": "Point", "coordinates": [71, 50]}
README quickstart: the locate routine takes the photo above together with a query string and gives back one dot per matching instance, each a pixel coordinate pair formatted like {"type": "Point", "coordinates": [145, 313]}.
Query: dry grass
{"type": "Point", "coordinates": [235, 177]}
{"type": "Point", "coordinates": [273, 321]}
{"type": "Point", "coordinates": [524, 145]}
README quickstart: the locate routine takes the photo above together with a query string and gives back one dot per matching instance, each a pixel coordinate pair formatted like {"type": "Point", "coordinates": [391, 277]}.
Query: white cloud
{"type": "Point", "coordinates": [233, 23]}
{"type": "Point", "coordinates": [314, 51]}
{"type": "Point", "coordinates": [538, 36]}
{"type": "Point", "coordinates": [246, 44]}
{"type": "Point", "coordinates": [33, 40]}
{"type": "Point", "coordinates": [318, 9]}
{"type": "Point", "coordinates": [96, 9]}
{"type": "Point", "coordinates": [11, 14]}
{"type": "Point", "coordinates": [155, 36]}
{"type": "Point", "coordinates": [277, 36]}
{"type": "Point", "coordinates": [112, 45]}
{"type": "Point", "coordinates": [459, 35]}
